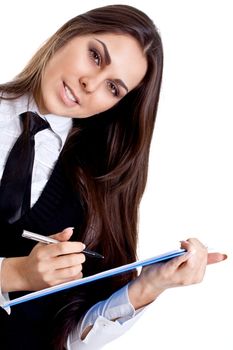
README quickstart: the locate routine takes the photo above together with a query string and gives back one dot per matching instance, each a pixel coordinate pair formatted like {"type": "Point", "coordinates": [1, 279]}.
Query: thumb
{"type": "Point", "coordinates": [216, 257]}
{"type": "Point", "coordinates": [63, 235]}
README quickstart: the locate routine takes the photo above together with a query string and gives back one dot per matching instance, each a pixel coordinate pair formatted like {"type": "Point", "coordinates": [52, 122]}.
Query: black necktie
{"type": "Point", "coordinates": [15, 188]}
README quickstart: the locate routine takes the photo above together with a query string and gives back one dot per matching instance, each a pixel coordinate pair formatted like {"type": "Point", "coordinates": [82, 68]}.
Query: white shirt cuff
{"type": "Point", "coordinates": [4, 297]}
{"type": "Point", "coordinates": [109, 319]}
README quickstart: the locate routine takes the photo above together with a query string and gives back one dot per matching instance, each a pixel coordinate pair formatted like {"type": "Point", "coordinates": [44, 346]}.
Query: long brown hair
{"type": "Point", "coordinates": [110, 164]}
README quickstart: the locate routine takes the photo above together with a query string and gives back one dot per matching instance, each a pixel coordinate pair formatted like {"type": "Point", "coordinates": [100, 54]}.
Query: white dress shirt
{"type": "Point", "coordinates": [109, 318]}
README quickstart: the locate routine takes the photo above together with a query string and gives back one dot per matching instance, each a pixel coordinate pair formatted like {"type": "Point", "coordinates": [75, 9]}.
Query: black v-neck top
{"type": "Point", "coordinates": [29, 326]}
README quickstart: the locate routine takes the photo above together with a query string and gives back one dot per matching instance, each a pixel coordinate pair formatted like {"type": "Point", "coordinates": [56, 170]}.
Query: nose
{"type": "Point", "coordinates": [90, 84]}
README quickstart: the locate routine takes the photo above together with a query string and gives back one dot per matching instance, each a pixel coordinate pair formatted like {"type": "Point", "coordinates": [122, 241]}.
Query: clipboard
{"type": "Point", "coordinates": [95, 277]}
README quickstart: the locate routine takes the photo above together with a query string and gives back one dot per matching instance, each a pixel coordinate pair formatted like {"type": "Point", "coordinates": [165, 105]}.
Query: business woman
{"type": "Point", "coordinates": [76, 126]}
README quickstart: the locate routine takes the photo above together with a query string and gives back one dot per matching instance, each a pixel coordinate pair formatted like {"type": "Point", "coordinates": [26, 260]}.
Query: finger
{"type": "Point", "coordinates": [191, 245]}
{"type": "Point", "coordinates": [214, 258]}
{"type": "Point", "coordinates": [64, 235]}
{"type": "Point", "coordinates": [69, 260]}
{"type": "Point", "coordinates": [77, 277]}
{"type": "Point", "coordinates": [184, 245]}
{"type": "Point", "coordinates": [175, 263]}
{"type": "Point", "coordinates": [200, 251]}
{"type": "Point", "coordinates": [67, 273]}
{"type": "Point", "coordinates": [64, 248]}
{"type": "Point", "coordinates": [195, 242]}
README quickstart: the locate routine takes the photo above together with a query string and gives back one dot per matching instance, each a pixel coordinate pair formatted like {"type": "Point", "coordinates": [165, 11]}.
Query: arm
{"type": "Point", "coordinates": [181, 271]}
{"type": "Point", "coordinates": [111, 318]}
{"type": "Point", "coordinates": [4, 297]}
{"type": "Point", "coordinates": [104, 322]}
{"type": "Point", "coordinates": [45, 266]}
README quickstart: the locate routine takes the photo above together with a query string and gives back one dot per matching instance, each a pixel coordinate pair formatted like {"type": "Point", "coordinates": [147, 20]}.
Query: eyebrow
{"type": "Point", "coordinates": [121, 83]}
{"type": "Point", "coordinates": [107, 59]}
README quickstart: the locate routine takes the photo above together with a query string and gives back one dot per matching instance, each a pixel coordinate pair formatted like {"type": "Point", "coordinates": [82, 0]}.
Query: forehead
{"type": "Point", "coordinates": [128, 61]}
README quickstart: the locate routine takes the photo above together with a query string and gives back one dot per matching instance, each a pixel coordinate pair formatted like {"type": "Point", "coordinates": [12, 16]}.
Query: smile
{"type": "Point", "coordinates": [70, 94]}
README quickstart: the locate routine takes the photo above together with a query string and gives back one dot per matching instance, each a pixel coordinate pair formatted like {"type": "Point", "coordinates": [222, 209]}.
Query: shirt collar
{"type": "Point", "coordinates": [60, 125]}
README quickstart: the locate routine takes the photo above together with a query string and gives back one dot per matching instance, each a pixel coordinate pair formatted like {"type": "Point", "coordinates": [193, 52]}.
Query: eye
{"type": "Point", "coordinates": [113, 88]}
{"type": "Point", "coordinates": [95, 56]}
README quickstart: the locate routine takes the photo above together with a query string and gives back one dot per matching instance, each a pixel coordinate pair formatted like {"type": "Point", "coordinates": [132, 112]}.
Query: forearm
{"type": "Point", "coordinates": [104, 322]}
{"type": "Point", "coordinates": [140, 293]}
{"type": "Point", "coordinates": [122, 306]}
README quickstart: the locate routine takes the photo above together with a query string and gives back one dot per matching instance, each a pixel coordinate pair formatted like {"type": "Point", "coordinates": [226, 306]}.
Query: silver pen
{"type": "Point", "coordinates": [47, 240]}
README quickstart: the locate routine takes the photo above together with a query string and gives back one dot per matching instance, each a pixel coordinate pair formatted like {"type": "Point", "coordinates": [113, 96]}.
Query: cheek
{"type": "Point", "coordinates": [103, 101]}
{"type": "Point", "coordinates": [47, 78]}
{"type": "Point", "coordinates": [55, 68]}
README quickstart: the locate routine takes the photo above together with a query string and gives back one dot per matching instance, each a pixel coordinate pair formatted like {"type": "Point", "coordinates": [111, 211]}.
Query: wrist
{"type": "Point", "coordinates": [141, 294]}
{"type": "Point", "coordinates": [12, 276]}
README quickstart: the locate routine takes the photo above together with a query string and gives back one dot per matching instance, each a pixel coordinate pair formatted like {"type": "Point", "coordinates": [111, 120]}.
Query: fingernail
{"type": "Point", "coordinates": [84, 245]}
{"type": "Point", "coordinates": [224, 257]}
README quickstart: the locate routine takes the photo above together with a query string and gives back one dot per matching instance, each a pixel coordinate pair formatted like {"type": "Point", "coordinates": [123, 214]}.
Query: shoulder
{"type": "Point", "coordinates": [10, 110]}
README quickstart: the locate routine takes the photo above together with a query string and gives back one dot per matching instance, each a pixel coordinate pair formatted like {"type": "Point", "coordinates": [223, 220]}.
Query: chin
{"type": "Point", "coordinates": [51, 107]}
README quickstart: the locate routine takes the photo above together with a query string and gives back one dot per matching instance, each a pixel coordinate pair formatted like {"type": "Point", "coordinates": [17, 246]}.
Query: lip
{"type": "Point", "coordinates": [65, 99]}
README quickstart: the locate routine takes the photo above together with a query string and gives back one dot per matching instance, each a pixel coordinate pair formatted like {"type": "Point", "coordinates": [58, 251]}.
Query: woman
{"type": "Point", "coordinates": [96, 83]}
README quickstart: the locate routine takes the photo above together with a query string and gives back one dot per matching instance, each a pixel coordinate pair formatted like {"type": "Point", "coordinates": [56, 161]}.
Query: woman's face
{"type": "Point", "coordinates": [90, 74]}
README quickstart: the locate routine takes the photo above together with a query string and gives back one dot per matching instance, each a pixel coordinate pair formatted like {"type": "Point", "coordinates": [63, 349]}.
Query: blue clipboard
{"type": "Point", "coordinates": [92, 278]}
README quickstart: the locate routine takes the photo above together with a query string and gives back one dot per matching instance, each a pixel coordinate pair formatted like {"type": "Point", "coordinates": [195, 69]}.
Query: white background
{"type": "Point", "coordinates": [190, 184]}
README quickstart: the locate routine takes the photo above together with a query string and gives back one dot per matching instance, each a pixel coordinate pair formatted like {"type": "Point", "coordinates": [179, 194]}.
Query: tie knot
{"type": "Point", "coordinates": [34, 122]}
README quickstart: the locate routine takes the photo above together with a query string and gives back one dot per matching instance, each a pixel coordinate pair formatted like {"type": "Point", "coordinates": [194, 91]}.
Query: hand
{"type": "Point", "coordinates": [46, 265]}
{"type": "Point", "coordinates": [181, 271]}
